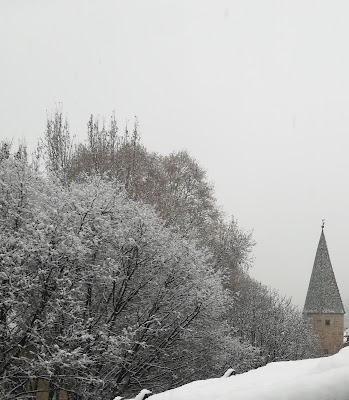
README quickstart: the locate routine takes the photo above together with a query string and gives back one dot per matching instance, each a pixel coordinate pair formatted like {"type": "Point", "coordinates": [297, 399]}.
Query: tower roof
{"type": "Point", "coordinates": [323, 294]}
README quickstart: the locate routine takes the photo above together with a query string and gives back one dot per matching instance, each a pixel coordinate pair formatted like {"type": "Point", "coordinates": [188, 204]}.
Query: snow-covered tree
{"type": "Point", "coordinates": [119, 271]}
{"type": "Point", "coordinates": [97, 289]}
{"type": "Point", "coordinates": [270, 322]}
{"type": "Point", "coordinates": [175, 185]}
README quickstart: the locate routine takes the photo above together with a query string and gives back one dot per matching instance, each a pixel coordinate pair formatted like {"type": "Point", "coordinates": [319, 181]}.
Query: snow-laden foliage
{"type": "Point", "coordinates": [119, 271]}
{"type": "Point", "coordinates": [175, 185]}
{"type": "Point", "coordinates": [96, 290]}
{"type": "Point", "coordinates": [270, 322]}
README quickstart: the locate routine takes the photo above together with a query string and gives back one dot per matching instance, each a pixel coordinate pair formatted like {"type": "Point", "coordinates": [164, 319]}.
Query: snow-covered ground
{"type": "Point", "coordinates": [315, 379]}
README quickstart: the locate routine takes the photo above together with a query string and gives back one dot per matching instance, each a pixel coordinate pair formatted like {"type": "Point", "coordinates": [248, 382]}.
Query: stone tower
{"type": "Point", "coordinates": [323, 304]}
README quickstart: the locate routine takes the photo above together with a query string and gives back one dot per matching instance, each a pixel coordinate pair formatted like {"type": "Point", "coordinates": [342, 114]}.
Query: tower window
{"type": "Point", "coordinates": [327, 322]}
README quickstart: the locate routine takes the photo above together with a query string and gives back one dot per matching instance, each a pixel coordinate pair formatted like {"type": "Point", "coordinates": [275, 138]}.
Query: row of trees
{"type": "Point", "coordinates": [120, 271]}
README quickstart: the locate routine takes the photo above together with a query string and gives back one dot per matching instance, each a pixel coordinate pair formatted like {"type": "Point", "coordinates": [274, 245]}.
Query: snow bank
{"type": "Point", "coordinates": [315, 379]}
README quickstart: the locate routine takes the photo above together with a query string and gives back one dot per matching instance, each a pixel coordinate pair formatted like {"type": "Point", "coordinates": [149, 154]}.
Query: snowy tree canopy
{"type": "Point", "coordinates": [119, 271]}
{"type": "Point", "coordinates": [96, 288]}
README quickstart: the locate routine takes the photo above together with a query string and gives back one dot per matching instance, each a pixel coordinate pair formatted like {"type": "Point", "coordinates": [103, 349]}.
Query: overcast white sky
{"type": "Point", "coordinates": [257, 91]}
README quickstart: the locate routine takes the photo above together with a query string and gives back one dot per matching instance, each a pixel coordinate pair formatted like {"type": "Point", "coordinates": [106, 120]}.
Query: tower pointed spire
{"type": "Point", "coordinates": [323, 294]}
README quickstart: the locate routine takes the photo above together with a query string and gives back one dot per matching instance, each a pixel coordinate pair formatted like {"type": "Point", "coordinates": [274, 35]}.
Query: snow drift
{"type": "Point", "coordinates": [319, 378]}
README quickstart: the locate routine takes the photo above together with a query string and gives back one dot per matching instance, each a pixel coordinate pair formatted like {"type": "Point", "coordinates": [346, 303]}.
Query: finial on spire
{"type": "Point", "coordinates": [323, 224]}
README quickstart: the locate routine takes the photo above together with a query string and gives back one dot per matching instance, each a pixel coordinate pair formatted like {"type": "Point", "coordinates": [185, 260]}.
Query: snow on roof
{"type": "Point", "coordinates": [323, 294]}
{"type": "Point", "coordinates": [315, 379]}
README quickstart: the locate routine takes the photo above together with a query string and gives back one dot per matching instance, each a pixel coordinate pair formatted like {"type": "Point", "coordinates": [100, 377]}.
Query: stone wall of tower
{"type": "Point", "coordinates": [329, 328]}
